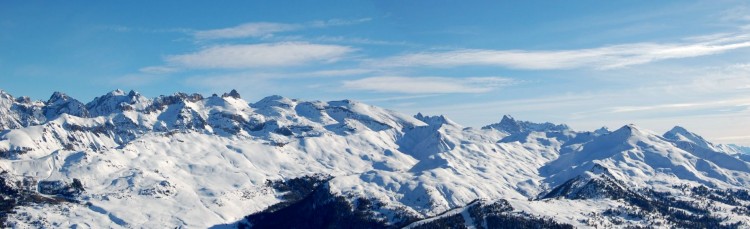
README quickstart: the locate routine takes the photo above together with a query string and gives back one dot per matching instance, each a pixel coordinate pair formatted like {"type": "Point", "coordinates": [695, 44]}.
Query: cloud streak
{"type": "Point", "coordinates": [601, 58]}
{"type": "Point", "coordinates": [264, 29]}
{"type": "Point", "coordinates": [427, 85]}
{"type": "Point", "coordinates": [157, 70]}
{"type": "Point", "coordinates": [259, 55]}
{"type": "Point", "coordinates": [255, 29]}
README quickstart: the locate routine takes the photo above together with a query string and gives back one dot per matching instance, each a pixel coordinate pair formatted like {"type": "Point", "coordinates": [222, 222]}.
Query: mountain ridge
{"type": "Point", "coordinates": [382, 167]}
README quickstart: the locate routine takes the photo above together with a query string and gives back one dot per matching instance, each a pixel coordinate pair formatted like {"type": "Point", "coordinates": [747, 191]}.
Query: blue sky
{"type": "Point", "coordinates": [584, 63]}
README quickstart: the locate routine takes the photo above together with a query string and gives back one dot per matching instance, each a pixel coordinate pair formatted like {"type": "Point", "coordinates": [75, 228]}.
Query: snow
{"type": "Point", "coordinates": [189, 161]}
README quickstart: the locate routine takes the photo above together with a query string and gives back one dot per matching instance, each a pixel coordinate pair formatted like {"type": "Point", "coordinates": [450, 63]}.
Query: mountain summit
{"type": "Point", "coordinates": [124, 160]}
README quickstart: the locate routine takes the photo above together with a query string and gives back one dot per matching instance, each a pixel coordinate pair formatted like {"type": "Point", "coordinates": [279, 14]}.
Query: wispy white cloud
{"type": "Point", "coordinates": [264, 29]}
{"type": "Point", "coordinates": [260, 55]}
{"type": "Point", "coordinates": [681, 106]}
{"type": "Point", "coordinates": [337, 22]}
{"type": "Point", "coordinates": [397, 98]}
{"type": "Point", "coordinates": [332, 73]}
{"type": "Point", "coordinates": [307, 74]}
{"type": "Point", "coordinates": [606, 57]}
{"type": "Point", "coordinates": [158, 70]}
{"type": "Point", "coordinates": [357, 40]}
{"type": "Point", "coordinates": [255, 29]}
{"type": "Point", "coordinates": [703, 99]}
{"type": "Point", "coordinates": [125, 29]}
{"type": "Point", "coordinates": [427, 85]}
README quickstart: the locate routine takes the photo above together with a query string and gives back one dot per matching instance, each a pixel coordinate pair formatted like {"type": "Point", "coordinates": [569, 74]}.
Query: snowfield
{"type": "Point", "coordinates": [189, 161]}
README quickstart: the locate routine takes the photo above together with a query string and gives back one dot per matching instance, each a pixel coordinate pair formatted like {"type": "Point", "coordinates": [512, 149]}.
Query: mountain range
{"type": "Point", "coordinates": [190, 161]}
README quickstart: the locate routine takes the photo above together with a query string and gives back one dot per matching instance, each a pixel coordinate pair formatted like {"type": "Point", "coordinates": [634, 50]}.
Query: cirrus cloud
{"type": "Point", "coordinates": [263, 29]}
{"type": "Point", "coordinates": [260, 55]}
{"type": "Point", "coordinates": [602, 58]}
{"type": "Point", "coordinates": [255, 29]}
{"type": "Point", "coordinates": [427, 84]}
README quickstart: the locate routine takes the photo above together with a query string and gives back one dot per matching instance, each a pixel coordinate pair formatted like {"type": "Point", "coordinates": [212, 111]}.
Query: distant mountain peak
{"type": "Point", "coordinates": [60, 103]}
{"type": "Point", "coordinates": [116, 92]}
{"type": "Point", "coordinates": [437, 120]}
{"type": "Point", "coordinates": [512, 126]}
{"type": "Point", "coordinates": [23, 99]}
{"type": "Point", "coordinates": [233, 94]}
{"type": "Point", "coordinates": [625, 137]}
{"type": "Point", "coordinates": [7, 98]}
{"type": "Point", "coordinates": [379, 168]}
{"type": "Point", "coordinates": [272, 98]}
{"type": "Point", "coordinates": [740, 149]}
{"type": "Point", "coordinates": [679, 133]}
{"type": "Point", "coordinates": [628, 130]}
{"type": "Point", "coordinates": [273, 101]}
{"type": "Point", "coordinates": [115, 101]}
{"type": "Point", "coordinates": [57, 97]}
{"type": "Point", "coordinates": [5, 94]}
{"type": "Point", "coordinates": [602, 130]}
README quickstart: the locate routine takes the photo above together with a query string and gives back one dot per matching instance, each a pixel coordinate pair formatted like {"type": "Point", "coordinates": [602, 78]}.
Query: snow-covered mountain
{"type": "Point", "coordinates": [185, 160]}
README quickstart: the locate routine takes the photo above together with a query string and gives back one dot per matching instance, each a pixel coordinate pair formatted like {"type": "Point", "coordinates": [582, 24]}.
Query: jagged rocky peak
{"type": "Point", "coordinates": [6, 100]}
{"type": "Point", "coordinates": [512, 126]}
{"type": "Point", "coordinates": [5, 95]}
{"type": "Point", "coordinates": [195, 97]}
{"type": "Point", "coordinates": [60, 103]}
{"type": "Point", "coordinates": [116, 92]}
{"type": "Point", "coordinates": [233, 94]}
{"type": "Point", "coordinates": [58, 97]}
{"type": "Point", "coordinates": [602, 131]}
{"type": "Point", "coordinates": [437, 120]}
{"type": "Point", "coordinates": [116, 101]}
{"type": "Point", "coordinates": [23, 99]}
{"type": "Point", "coordinates": [179, 97]}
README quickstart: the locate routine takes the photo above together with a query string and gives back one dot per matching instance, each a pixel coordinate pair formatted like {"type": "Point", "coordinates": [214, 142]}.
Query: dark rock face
{"type": "Point", "coordinates": [60, 188]}
{"type": "Point", "coordinates": [23, 191]}
{"type": "Point", "coordinates": [602, 186]}
{"type": "Point", "coordinates": [646, 203]}
{"type": "Point", "coordinates": [498, 214]}
{"type": "Point", "coordinates": [160, 190]}
{"type": "Point", "coordinates": [61, 103]}
{"type": "Point", "coordinates": [320, 209]}
{"type": "Point", "coordinates": [233, 94]}
{"type": "Point", "coordinates": [511, 126]}
{"type": "Point", "coordinates": [308, 203]}
{"type": "Point", "coordinates": [115, 101]}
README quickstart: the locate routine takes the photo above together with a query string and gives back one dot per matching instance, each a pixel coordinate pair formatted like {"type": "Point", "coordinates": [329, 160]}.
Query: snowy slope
{"type": "Point", "coordinates": [641, 157]}
{"type": "Point", "coordinates": [185, 160]}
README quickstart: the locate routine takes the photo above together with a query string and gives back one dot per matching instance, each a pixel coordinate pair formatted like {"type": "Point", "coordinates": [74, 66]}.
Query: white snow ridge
{"type": "Point", "coordinates": [189, 161]}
